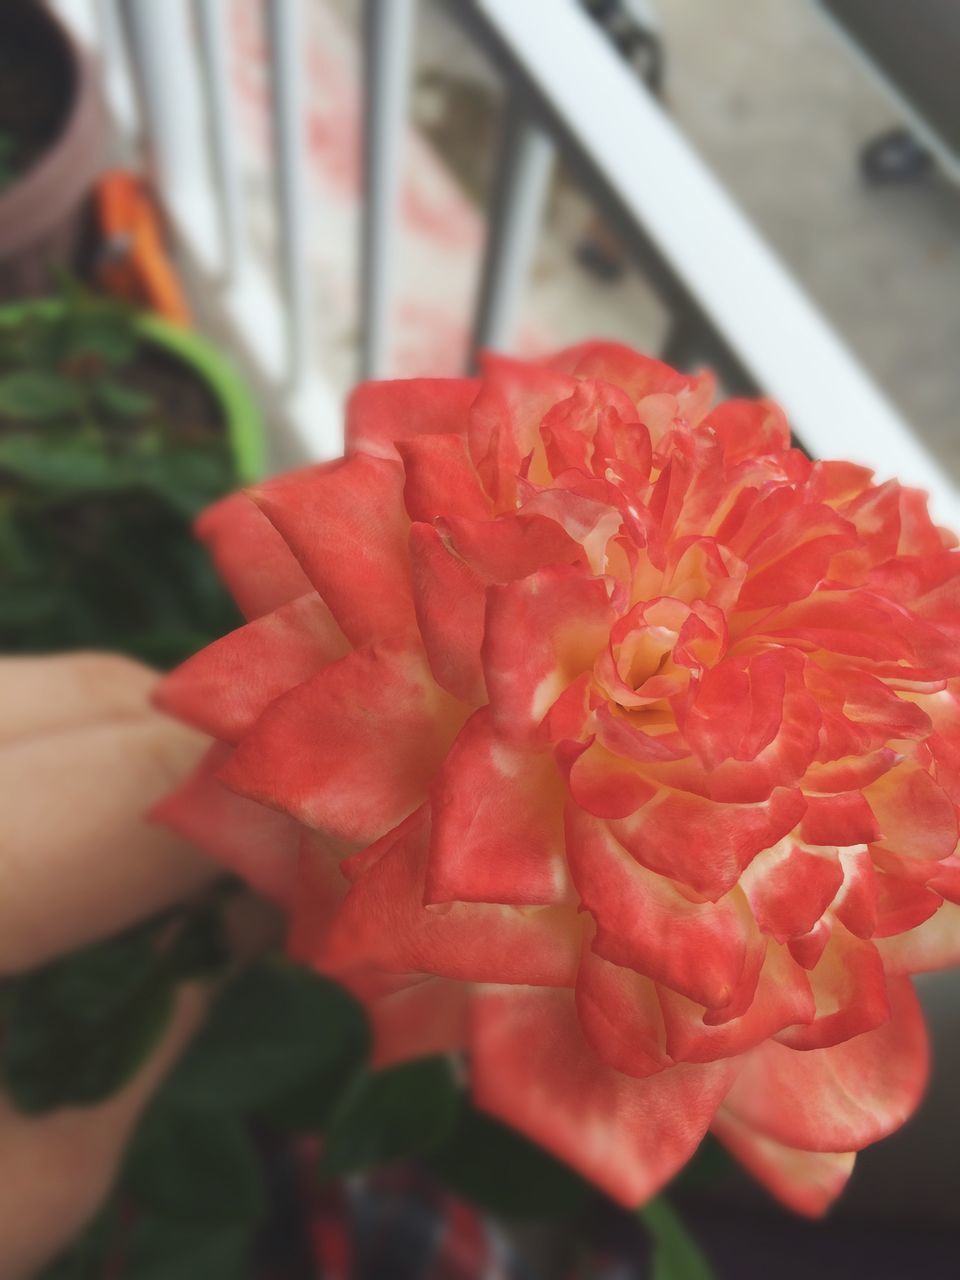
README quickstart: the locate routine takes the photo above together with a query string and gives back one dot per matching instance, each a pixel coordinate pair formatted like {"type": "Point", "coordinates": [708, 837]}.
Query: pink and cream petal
{"type": "Point", "coordinates": [344, 522]}
{"type": "Point", "coordinates": [253, 560]}
{"type": "Point", "coordinates": [843, 1097]}
{"type": "Point", "coordinates": [353, 750]}
{"type": "Point", "coordinates": [381, 414]}
{"type": "Point", "coordinates": [384, 923]}
{"type": "Point", "coordinates": [534, 1070]}
{"type": "Point", "coordinates": [497, 823]}
{"type": "Point", "coordinates": [808, 1182]}
{"type": "Point", "coordinates": [225, 688]}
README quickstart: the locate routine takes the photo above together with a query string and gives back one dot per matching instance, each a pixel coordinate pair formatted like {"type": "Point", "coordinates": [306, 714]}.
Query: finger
{"type": "Point", "coordinates": [42, 695]}
{"type": "Point", "coordinates": [77, 859]}
{"type": "Point", "coordinates": [57, 1169]}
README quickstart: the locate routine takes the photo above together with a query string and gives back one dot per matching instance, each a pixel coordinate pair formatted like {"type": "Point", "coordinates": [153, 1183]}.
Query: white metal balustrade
{"type": "Point", "coordinates": [566, 90]}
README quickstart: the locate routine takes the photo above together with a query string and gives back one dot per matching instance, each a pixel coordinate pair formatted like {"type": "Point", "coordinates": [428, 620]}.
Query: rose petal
{"type": "Point", "coordinates": [379, 414]}
{"type": "Point", "coordinates": [843, 1097]}
{"type": "Point", "coordinates": [253, 842]}
{"type": "Point", "coordinates": [251, 557]}
{"type": "Point", "coordinates": [643, 921]}
{"type": "Point", "coordinates": [224, 688]}
{"type": "Point", "coordinates": [383, 923]}
{"type": "Point", "coordinates": [353, 750]}
{"type": "Point", "coordinates": [533, 1069]}
{"type": "Point", "coordinates": [541, 634]}
{"type": "Point", "coordinates": [704, 844]}
{"type": "Point", "coordinates": [807, 1182]}
{"type": "Point", "coordinates": [782, 999]}
{"type": "Point", "coordinates": [620, 1016]}
{"type": "Point", "coordinates": [450, 602]}
{"type": "Point", "coordinates": [851, 993]}
{"type": "Point", "coordinates": [344, 521]}
{"type": "Point", "coordinates": [497, 822]}
{"type": "Point", "coordinates": [933, 945]}
{"type": "Point", "coordinates": [789, 887]}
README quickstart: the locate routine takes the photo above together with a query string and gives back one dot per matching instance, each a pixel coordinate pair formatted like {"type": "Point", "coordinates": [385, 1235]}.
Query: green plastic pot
{"type": "Point", "coordinates": [244, 425]}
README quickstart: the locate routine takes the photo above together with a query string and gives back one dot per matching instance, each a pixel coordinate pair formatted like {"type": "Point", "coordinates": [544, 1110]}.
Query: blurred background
{"type": "Point", "coordinates": [300, 193]}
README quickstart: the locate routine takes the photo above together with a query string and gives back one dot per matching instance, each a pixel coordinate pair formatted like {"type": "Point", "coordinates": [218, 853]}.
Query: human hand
{"type": "Point", "coordinates": [82, 757]}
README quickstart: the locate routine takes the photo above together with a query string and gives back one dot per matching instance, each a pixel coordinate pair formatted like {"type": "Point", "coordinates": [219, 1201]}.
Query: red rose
{"type": "Point", "coordinates": [604, 735]}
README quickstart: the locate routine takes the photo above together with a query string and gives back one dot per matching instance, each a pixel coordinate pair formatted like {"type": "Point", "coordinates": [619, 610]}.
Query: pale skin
{"type": "Point", "coordinates": [82, 756]}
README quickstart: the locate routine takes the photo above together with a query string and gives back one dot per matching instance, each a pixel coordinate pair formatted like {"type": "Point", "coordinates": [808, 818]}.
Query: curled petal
{"type": "Point", "coordinates": [807, 1182]}
{"type": "Point", "coordinates": [509, 547]}
{"type": "Point", "coordinates": [851, 993]}
{"type": "Point", "coordinates": [704, 844]}
{"type": "Point", "coordinates": [251, 557]}
{"type": "Point", "coordinates": [255, 843]}
{"type": "Point", "coordinates": [353, 750]}
{"type": "Point", "coordinates": [534, 1070]}
{"type": "Point", "coordinates": [843, 1097]}
{"type": "Point", "coordinates": [790, 886]}
{"type": "Point", "coordinates": [345, 523]}
{"type": "Point", "coordinates": [782, 998]}
{"type": "Point", "coordinates": [226, 687]}
{"type": "Point", "coordinates": [439, 477]}
{"type": "Point", "coordinates": [504, 425]}
{"type": "Point", "coordinates": [644, 922]}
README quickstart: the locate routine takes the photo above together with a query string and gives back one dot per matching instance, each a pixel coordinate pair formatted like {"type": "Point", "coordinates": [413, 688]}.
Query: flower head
{"type": "Point", "coordinates": [599, 732]}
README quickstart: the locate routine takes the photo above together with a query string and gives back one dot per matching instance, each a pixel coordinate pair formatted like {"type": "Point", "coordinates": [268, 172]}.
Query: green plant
{"type": "Point", "coordinates": [109, 446]}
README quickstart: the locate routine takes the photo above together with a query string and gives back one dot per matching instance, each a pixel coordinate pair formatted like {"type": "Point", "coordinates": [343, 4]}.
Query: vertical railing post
{"type": "Point", "coordinates": [160, 42]}
{"type": "Point", "coordinates": [524, 168]}
{"type": "Point", "coordinates": [286, 32]}
{"type": "Point", "coordinates": [388, 34]}
{"type": "Point", "coordinates": [214, 43]}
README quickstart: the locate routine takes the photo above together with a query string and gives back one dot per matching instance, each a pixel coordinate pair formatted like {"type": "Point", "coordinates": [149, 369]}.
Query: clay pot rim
{"type": "Point", "coordinates": [39, 199]}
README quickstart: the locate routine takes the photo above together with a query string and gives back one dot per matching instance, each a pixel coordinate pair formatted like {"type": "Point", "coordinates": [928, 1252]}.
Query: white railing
{"type": "Point", "coordinates": [566, 89]}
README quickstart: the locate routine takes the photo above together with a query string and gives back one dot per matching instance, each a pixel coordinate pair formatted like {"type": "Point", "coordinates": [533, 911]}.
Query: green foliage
{"type": "Point", "coordinates": [676, 1255]}
{"type": "Point", "coordinates": [276, 1031]}
{"type": "Point", "coordinates": [108, 450]}
{"type": "Point", "coordinates": [159, 1249]}
{"type": "Point", "coordinates": [77, 1029]}
{"type": "Point", "coordinates": [484, 1161]}
{"type": "Point", "coordinates": [392, 1114]}
{"type": "Point", "coordinates": [197, 1168]}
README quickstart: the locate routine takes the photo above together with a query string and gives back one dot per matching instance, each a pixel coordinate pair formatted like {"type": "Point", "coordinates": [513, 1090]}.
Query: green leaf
{"type": "Point", "coordinates": [676, 1255]}
{"type": "Point", "coordinates": [196, 1168]}
{"type": "Point", "coordinates": [86, 1256]}
{"type": "Point", "coordinates": [77, 1030]}
{"type": "Point", "coordinates": [125, 402]}
{"type": "Point", "coordinates": [392, 1114]}
{"type": "Point", "coordinates": [38, 396]}
{"type": "Point", "coordinates": [163, 1250]}
{"type": "Point", "coordinates": [274, 1027]}
{"type": "Point", "coordinates": [75, 466]}
{"type": "Point", "coordinates": [104, 330]}
{"type": "Point", "coordinates": [504, 1173]}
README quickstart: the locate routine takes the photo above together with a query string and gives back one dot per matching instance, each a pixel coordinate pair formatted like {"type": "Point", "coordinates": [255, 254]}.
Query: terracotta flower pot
{"type": "Point", "coordinates": [43, 210]}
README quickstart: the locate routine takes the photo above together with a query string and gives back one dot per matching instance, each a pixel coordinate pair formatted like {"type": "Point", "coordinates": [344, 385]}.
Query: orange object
{"type": "Point", "coordinates": [134, 263]}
